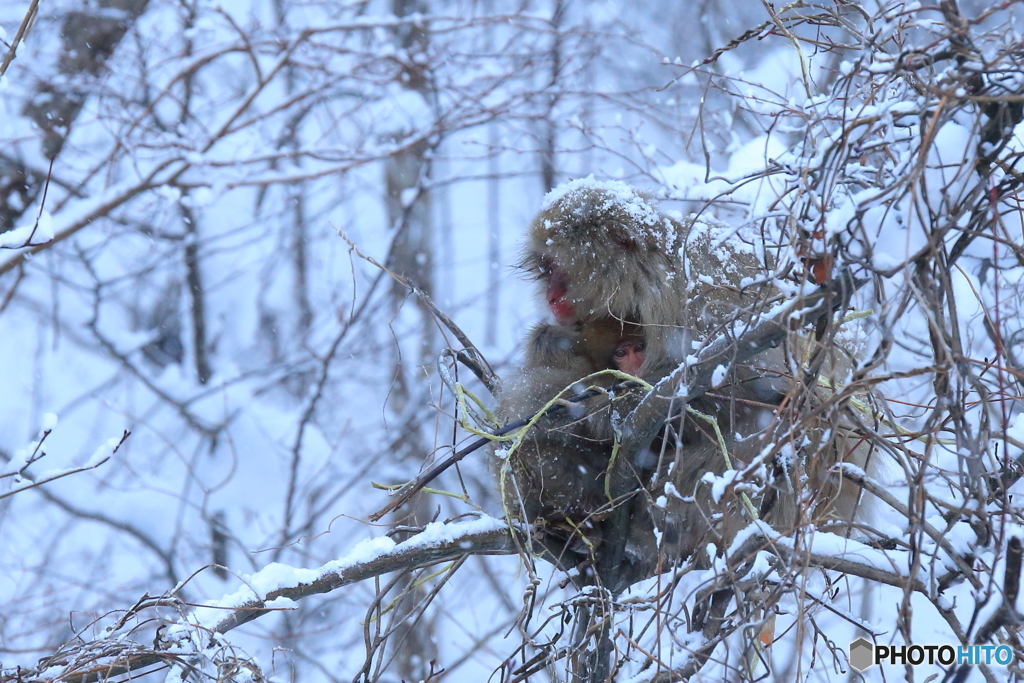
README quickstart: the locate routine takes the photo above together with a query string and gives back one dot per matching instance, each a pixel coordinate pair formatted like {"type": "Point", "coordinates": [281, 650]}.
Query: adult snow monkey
{"type": "Point", "coordinates": [616, 272]}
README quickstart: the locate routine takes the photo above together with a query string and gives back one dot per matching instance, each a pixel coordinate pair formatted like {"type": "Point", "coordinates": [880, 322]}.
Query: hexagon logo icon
{"type": "Point", "coordinates": [862, 654]}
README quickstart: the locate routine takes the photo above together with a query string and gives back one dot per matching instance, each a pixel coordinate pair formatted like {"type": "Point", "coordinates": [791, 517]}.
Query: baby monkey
{"type": "Point", "coordinates": [558, 471]}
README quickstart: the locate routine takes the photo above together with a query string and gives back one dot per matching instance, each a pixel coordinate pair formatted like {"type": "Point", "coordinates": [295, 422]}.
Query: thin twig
{"type": "Point", "coordinates": [12, 51]}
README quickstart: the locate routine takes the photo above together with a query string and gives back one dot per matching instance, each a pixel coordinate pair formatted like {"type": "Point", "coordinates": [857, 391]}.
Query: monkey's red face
{"type": "Point", "coordinates": [629, 355]}
{"type": "Point", "coordinates": [558, 289]}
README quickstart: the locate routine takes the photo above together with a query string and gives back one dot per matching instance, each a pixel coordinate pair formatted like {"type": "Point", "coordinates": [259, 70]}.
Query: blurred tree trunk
{"type": "Point", "coordinates": [408, 204]}
{"type": "Point", "coordinates": [197, 299]}
{"type": "Point", "coordinates": [412, 256]}
{"type": "Point", "coordinates": [548, 170]}
{"type": "Point", "coordinates": [193, 271]}
{"type": "Point", "coordinates": [296, 200]}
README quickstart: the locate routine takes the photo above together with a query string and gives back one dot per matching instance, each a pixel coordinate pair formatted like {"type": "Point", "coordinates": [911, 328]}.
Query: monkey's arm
{"type": "Point", "coordinates": [644, 422]}
{"type": "Point", "coordinates": [407, 491]}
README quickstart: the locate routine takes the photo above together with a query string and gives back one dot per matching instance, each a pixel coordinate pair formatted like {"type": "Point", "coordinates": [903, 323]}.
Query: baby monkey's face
{"type": "Point", "coordinates": [629, 355]}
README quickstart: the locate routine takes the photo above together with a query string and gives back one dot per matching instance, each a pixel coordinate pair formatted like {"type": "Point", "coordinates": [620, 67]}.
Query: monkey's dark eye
{"type": "Point", "coordinates": [621, 353]}
{"type": "Point", "coordinates": [640, 347]}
